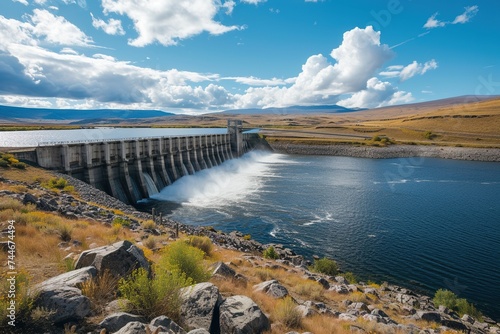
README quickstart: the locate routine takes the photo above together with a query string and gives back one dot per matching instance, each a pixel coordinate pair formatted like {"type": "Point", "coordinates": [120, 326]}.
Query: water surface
{"type": "Point", "coordinates": [422, 223]}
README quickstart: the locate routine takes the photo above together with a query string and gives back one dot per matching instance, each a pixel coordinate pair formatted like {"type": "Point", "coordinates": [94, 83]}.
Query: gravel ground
{"type": "Point", "coordinates": [393, 151]}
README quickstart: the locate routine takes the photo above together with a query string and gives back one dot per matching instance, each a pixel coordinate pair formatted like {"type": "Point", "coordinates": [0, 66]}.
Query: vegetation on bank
{"type": "Point", "coordinates": [452, 302]}
{"type": "Point", "coordinates": [8, 160]}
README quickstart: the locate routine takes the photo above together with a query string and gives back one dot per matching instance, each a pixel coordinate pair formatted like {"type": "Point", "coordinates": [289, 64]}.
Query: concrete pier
{"type": "Point", "coordinates": [125, 168]}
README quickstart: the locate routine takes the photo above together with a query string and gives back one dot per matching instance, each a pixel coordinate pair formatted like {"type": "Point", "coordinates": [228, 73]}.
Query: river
{"type": "Point", "coordinates": [422, 223]}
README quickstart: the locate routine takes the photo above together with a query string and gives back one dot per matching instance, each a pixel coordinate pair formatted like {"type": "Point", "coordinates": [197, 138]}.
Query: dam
{"type": "Point", "coordinates": [135, 168]}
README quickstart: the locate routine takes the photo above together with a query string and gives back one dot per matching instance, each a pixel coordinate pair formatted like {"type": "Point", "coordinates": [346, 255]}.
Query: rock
{"type": "Point", "coordinates": [134, 327]}
{"type": "Point", "coordinates": [199, 306]}
{"type": "Point", "coordinates": [379, 313]}
{"type": "Point", "coordinates": [324, 283]}
{"type": "Point", "coordinates": [407, 299]}
{"type": "Point", "coordinates": [72, 278]}
{"type": "Point", "coordinates": [358, 307]}
{"type": "Point", "coordinates": [428, 316]}
{"type": "Point", "coordinates": [264, 286]}
{"type": "Point", "coordinates": [119, 258]}
{"type": "Point", "coordinates": [117, 305]}
{"type": "Point", "coordinates": [199, 331]}
{"type": "Point", "coordinates": [454, 324]}
{"type": "Point", "coordinates": [277, 291]}
{"type": "Point", "coordinates": [272, 288]}
{"type": "Point", "coordinates": [116, 321]}
{"type": "Point", "coordinates": [240, 315]}
{"type": "Point", "coordinates": [68, 303]}
{"type": "Point", "coordinates": [347, 317]}
{"type": "Point", "coordinates": [224, 270]}
{"type": "Point", "coordinates": [167, 325]}
{"type": "Point", "coordinates": [29, 199]}
{"type": "Point", "coordinates": [306, 310]}
{"type": "Point", "coordinates": [371, 291]}
{"type": "Point", "coordinates": [468, 318]}
{"type": "Point", "coordinates": [341, 280]}
{"type": "Point", "coordinates": [340, 289]}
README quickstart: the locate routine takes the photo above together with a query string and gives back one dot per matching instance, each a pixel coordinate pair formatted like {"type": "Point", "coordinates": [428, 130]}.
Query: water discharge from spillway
{"type": "Point", "coordinates": [233, 181]}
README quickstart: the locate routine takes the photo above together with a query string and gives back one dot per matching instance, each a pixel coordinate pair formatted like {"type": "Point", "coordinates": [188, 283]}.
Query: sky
{"type": "Point", "coordinates": [199, 56]}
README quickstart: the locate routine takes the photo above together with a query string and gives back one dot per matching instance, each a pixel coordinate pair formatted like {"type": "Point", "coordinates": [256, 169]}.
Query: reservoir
{"type": "Point", "coordinates": [44, 137]}
{"type": "Point", "coordinates": [422, 223]}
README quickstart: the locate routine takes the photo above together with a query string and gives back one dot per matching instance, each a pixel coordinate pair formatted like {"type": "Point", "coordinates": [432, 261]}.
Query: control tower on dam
{"type": "Point", "coordinates": [136, 168]}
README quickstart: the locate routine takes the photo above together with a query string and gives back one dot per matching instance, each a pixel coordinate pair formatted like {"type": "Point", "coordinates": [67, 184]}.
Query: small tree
{"type": "Point", "coordinates": [325, 266]}
{"type": "Point", "coordinates": [270, 253]}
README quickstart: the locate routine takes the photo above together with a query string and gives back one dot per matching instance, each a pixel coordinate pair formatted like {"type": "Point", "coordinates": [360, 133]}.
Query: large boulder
{"type": "Point", "coordinates": [167, 325]}
{"type": "Point", "coordinates": [66, 303]}
{"type": "Point", "coordinates": [223, 270]}
{"type": "Point", "coordinates": [272, 288]}
{"type": "Point", "coordinates": [72, 278]}
{"type": "Point", "coordinates": [240, 315]}
{"type": "Point", "coordinates": [119, 258]}
{"type": "Point", "coordinates": [133, 327]}
{"type": "Point", "coordinates": [199, 306]}
{"type": "Point", "coordinates": [116, 321]}
{"type": "Point", "coordinates": [428, 316]}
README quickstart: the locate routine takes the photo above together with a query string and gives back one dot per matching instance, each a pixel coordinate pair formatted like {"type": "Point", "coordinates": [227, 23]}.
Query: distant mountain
{"type": "Point", "coordinates": [291, 110]}
{"type": "Point", "coordinates": [71, 115]}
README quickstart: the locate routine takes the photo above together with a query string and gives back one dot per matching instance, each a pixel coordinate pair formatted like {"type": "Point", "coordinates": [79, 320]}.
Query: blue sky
{"type": "Point", "coordinates": [195, 56]}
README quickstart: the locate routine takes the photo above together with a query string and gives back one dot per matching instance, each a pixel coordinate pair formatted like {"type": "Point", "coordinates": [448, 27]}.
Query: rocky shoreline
{"type": "Point", "coordinates": [222, 314]}
{"type": "Point", "coordinates": [391, 151]}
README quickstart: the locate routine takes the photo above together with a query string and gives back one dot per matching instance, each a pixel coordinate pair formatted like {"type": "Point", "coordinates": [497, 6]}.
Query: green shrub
{"type": "Point", "coordinates": [451, 301]}
{"type": "Point", "coordinates": [4, 163]}
{"type": "Point", "coordinates": [376, 138]}
{"type": "Point", "coordinates": [202, 243]}
{"type": "Point", "coordinates": [188, 260]}
{"type": "Point", "coordinates": [270, 253]}
{"type": "Point", "coordinates": [247, 236]}
{"type": "Point", "coordinates": [19, 165]}
{"type": "Point", "coordinates": [350, 277]}
{"type": "Point", "coordinates": [287, 313]}
{"type": "Point", "coordinates": [154, 296]}
{"type": "Point", "coordinates": [325, 266]}
{"type": "Point", "coordinates": [121, 221]}
{"type": "Point", "coordinates": [429, 135]}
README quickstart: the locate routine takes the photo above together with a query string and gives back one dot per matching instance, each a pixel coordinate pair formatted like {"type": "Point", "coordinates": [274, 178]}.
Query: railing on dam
{"type": "Point", "coordinates": [130, 169]}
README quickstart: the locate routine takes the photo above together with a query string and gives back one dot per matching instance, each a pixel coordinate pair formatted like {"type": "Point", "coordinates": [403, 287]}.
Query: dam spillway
{"type": "Point", "coordinates": [136, 168]}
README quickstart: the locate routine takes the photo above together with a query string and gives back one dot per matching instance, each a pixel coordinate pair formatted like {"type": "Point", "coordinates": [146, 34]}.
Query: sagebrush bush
{"type": "Point", "coordinates": [325, 266]}
{"type": "Point", "coordinates": [287, 313]}
{"type": "Point", "coordinates": [156, 295]}
{"type": "Point", "coordinates": [202, 243]}
{"type": "Point", "coordinates": [100, 290]}
{"type": "Point", "coordinates": [310, 290]}
{"type": "Point", "coordinates": [451, 301]}
{"type": "Point", "coordinates": [270, 253]}
{"type": "Point", "coordinates": [179, 256]}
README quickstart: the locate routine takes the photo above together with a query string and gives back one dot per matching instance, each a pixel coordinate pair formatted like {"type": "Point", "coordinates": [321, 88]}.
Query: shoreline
{"type": "Point", "coordinates": [388, 152]}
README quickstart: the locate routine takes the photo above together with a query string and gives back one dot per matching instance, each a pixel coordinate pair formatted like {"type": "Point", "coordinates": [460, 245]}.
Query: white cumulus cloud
{"type": "Point", "coordinates": [24, 2]}
{"type": "Point", "coordinates": [57, 30]}
{"type": "Point", "coordinates": [320, 82]}
{"type": "Point", "coordinates": [376, 94]}
{"type": "Point", "coordinates": [112, 27]}
{"type": "Point", "coordinates": [168, 21]}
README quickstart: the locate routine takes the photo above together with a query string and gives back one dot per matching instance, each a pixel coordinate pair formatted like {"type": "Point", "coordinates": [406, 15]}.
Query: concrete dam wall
{"type": "Point", "coordinates": [133, 169]}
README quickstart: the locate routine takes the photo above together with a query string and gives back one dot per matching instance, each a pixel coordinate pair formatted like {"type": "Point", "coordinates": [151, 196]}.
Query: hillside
{"type": "Point", "coordinates": [27, 115]}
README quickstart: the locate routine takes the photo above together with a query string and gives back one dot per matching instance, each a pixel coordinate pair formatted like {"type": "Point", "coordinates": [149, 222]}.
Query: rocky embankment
{"type": "Point", "coordinates": [391, 151]}
{"type": "Point", "coordinates": [387, 308]}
